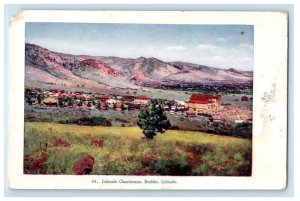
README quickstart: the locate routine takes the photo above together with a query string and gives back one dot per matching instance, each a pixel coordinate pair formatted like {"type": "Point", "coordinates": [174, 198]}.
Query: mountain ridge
{"type": "Point", "coordinates": [108, 72]}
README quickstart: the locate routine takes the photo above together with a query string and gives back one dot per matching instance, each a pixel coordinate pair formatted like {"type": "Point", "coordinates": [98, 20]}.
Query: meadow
{"type": "Point", "coordinates": [52, 148]}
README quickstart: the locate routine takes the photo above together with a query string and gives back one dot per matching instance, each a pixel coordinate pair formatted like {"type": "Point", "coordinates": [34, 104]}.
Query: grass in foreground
{"type": "Point", "coordinates": [52, 149]}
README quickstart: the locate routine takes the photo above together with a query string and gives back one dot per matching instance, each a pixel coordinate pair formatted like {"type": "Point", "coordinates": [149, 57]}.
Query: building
{"type": "Point", "coordinates": [32, 101]}
{"type": "Point", "coordinates": [104, 107]}
{"type": "Point", "coordinates": [239, 121]}
{"type": "Point", "coordinates": [244, 98]}
{"type": "Point", "coordinates": [134, 107]}
{"type": "Point", "coordinates": [128, 98]}
{"type": "Point", "coordinates": [203, 102]}
{"type": "Point", "coordinates": [249, 121]}
{"type": "Point", "coordinates": [111, 102]}
{"type": "Point", "coordinates": [62, 96]}
{"type": "Point", "coordinates": [216, 119]}
{"type": "Point", "coordinates": [190, 114]}
{"type": "Point", "coordinates": [119, 105]}
{"type": "Point", "coordinates": [141, 100]}
{"type": "Point", "coordinates": [104, 98]}
{"type": "Point", "coordinates": [50, 102]}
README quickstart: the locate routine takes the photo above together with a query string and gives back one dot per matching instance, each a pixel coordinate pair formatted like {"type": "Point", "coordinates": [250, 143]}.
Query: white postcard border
{"type": "Point", "coordinates": [269, 102]}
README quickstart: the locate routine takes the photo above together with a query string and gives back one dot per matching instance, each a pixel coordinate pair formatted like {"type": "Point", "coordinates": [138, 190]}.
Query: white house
{"type": "Point", "coordinates": [111, 102]}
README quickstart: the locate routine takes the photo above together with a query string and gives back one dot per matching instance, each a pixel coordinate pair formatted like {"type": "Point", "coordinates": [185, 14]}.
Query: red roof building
{"type": "Point", "coordinates": [216, 119]}
{"type": "Point", "coordinates": [104, 98]}
{"type": "Point", "coordinates": [141, 100]}
{"type": "Point", "coordinates": [54, 90]}
{"type": "Point", "coordinates": [190, 114]}
{"type": "Point", "coordinates": [249, 121]}
{"type": "Point", "coordinates": [62, 96]}
{"type": "Point", "coordinates": [203, 102]}
{"type": "Point", "coordinates": [78, 96]}
{"type": "Point", "coordinates": [244, 98]}
{"type": "Point", "coordinates": [128, 98]}
{"type": "Point", "coordinates": [204, 99]}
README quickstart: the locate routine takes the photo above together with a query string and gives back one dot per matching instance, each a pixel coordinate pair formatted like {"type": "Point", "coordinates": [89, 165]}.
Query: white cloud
{"type": "Point", "coordinates": [242, 63]}
{"type": "Point", "coordinates": [239, 56]}
{"type": "Point", "coordinates": [205, 47]}
{"type": "Point", "coordinates": [176, 47]}
{"type": "Point", "coordinates": [221, 39]}
{"type": "Point", "coordinates": [245, 45]}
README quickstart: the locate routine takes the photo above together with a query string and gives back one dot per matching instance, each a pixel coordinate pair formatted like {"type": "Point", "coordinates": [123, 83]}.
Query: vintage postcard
{"type": "Point", "coordinates": [147, 100]}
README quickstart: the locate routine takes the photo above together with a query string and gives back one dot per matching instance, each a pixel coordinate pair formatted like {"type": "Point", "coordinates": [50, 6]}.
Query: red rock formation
{"type": "Point", "coordinates": [102, 66]}
{"type": "Point", "coordinates": [83, 165]}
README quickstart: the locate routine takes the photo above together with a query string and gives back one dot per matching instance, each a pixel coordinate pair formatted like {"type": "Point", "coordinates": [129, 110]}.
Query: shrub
{"type": "Point", "coordinates": [89, 121]}
{"type": "Point", "coordinates": [174, 127]}
{"type": "Point", "coordinates": [59, 142]}
{"type": "Point", "coordinates": [98, 143]}
{"type": "Point", "coordinates": [122, 120]}
{"type": "Point", "coordinates": [243, 130]}
{"type": "Point", "coordinates": [149, 159]}
{"type": "Point", "coordinates": [36, 162]}
{"type": "Point", "coordinates": [194, 160]}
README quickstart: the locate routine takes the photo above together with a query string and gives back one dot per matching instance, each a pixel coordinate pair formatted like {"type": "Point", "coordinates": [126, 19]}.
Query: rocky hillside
{"type": "Point", "coordinates": [46, 67]}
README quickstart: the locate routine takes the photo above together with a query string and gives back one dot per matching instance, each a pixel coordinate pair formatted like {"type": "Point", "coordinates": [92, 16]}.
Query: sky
{"type": "Point", "coordinates": [221, 46]}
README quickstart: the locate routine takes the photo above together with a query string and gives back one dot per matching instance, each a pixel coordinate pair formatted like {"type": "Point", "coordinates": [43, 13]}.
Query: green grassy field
{"type": "Point", "coordinates": [127, 152]}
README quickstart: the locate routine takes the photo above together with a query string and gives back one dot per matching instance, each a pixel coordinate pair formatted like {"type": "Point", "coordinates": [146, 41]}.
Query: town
{"type": "Point", "coordinates": [209, 107]}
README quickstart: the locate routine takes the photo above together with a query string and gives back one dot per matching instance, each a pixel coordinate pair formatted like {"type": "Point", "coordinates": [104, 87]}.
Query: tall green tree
{"type": "Point", "coordinates": [152, 120]}
{"type": "Point", "coordinates": [39, 99]}
{"type": "Point", "coordinates": [123, 108]}
{"type": "Point", "coordinates": [61, 103]}
{"type": "Point", "coordinates": [129, 107]}
{"type": "Point", "coordinates": [70, 101]}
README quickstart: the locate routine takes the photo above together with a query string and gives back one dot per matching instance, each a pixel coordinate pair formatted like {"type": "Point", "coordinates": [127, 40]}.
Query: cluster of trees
{"type": "Point", "coordinates": [212, 88]}
{"type": "Point", "coordinates": [29, 94]}
{"type": "Point", "coordinates": [88, 121]}
{"type": "Point", "coordinates": [69, 101]}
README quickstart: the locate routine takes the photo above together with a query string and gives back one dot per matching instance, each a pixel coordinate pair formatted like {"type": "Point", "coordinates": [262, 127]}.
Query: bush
{"type": "Point", "coordinates": [243, 130]}
{"type": "Point", "coordinates": [90, 121]}
{"type": "Point", "coordinates": [174, 127]}
{"type": "Point", "coordinates": [122, 120]}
